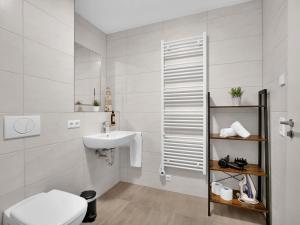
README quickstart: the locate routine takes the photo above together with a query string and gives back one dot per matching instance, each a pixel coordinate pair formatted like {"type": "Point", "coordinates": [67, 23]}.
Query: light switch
{"type": "Point", "coordinates": [21, 126]}
{"type": "Point", "coordinates": [281, 80]}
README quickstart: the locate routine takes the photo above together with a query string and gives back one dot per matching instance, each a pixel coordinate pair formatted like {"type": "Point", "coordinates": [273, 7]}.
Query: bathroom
{"type": "Point", "coordinates": [66, 65]}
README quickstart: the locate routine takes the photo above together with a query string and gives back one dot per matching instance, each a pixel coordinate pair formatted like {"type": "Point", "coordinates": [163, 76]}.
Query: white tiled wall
{"type": "Point", "coordinates": [133, 67]}
{"type": "Point", "coordinates": [275, 33]}
{"type": "Point", "coordinates": [37, 77]}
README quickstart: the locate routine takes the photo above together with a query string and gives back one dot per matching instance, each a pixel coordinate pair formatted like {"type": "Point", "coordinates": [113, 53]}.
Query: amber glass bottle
{"type": "Point", "coordinates": [113, 118]}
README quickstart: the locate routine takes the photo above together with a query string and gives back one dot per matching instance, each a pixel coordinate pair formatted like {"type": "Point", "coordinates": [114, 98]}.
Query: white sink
{"type": "Point", "coordinates": [112, 139]}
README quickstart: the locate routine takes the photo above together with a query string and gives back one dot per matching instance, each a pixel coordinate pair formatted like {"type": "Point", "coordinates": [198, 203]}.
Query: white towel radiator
{"type": "Point", "coordinates": [184, 104]}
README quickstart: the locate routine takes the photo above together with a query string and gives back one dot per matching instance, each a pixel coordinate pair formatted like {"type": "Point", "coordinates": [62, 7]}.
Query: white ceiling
{"type": "Point", "coordinates": [116, 15]}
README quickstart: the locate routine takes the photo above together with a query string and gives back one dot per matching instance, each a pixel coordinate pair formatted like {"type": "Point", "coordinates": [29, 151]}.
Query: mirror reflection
{"type": "Point", "coordinates": [87, 79]}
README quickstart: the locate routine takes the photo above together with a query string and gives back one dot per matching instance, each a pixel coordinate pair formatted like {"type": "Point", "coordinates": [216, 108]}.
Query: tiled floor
{"type": "Point", "coordinates": [128, 204]}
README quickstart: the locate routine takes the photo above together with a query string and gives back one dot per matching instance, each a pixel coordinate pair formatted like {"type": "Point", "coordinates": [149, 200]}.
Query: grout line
{"type": "Point", "coordinates": [113, 75]}
{"type": "Point", "coordinates": [49, 14]}
{"type": "Point", "coordinates": [134, 54]}
{"type": "Point", "coordinates": [37, 147]}
{"type": "Point", "coordinates": [48, 79]}
{"type": "Point", "coordinates": [74, 59]}
{"type": "Point", "coordinates": [239, 11]}
{"type": "Point", "coordinates": [277, 11]}
{"type": "Point", "coordinates": [236, 62]}
{"type": "Point", "coordinates": [88, 78]}
{"type": "Point", "coordinates": [12, 72]}
{"type": "Point", "coordinates": [23, 98]}
{"type": "Point", "coordinates": [49, 113]}
{"type": "Point", "coordinates": [277, 45]}
{"type": "Point", "coordinates": [48, 46]}
{"type": "Point", "coordinates": [72, 28]}
{"type": "Point", "coordinates": [51, 176]}
{"type": "Point", "coordinates": [36, 42]}
{"type": "Point", "coordinates": [237, 38]}
{"type": "Point", "coordinates": [12, 32]}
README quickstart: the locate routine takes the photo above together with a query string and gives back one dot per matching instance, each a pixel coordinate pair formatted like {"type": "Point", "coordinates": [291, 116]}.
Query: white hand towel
{"type": "Point", "coordinates": [136, 147]}
{"type": "Point", "coordinates": [240, 130]}
{"type": "Point", "coordinates": [227, 132]}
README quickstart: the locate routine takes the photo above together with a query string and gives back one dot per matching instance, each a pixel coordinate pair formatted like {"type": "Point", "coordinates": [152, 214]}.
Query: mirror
{"type": "Point", "coordinates": [89, 63]}
{"type": "Point", "coordinates": [87, 79]}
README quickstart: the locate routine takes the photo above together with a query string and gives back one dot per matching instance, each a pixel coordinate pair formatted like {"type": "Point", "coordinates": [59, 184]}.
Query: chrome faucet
{"type": "Point", "coordinates": [106, 126]}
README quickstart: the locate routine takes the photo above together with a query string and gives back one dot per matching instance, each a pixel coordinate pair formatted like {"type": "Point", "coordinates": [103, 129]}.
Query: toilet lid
{"type": "Point", "coordinates": [54, 208]}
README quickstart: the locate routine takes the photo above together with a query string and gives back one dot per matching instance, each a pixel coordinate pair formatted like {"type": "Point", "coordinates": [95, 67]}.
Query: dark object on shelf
{"type": "Point", "coordinates": [113, 118]}
{"type": "Point", "coordinates": [224, 162]}
{"type": "Point", "coordinates": [253, 169]}
{"type": "Point", "coordinates": [238, 164]}
{"type": "Point", "coordinates": [91, 213]}
{"type": "Point", "coordinates": [261, 169]}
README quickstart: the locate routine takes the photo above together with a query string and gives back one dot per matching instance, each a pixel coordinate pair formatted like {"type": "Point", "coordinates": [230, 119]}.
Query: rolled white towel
{"type": "Point", "coordinates": [240, 130]}
{"type": "Point", "coordinates": [227, 132]}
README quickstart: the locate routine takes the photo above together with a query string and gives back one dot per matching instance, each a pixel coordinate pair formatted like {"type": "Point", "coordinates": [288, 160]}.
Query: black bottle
{"type": "Point", "coordinates": [113, 118]}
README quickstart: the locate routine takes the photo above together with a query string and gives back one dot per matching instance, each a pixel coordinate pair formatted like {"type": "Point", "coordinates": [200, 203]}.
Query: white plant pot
{"type": "Point", "coordinates": [236, 101]}
{"type": "Point", "coordinates": [96, 108]}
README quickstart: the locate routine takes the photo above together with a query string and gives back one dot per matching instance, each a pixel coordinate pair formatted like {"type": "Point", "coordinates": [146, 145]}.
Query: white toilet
{"type": "Point", "coordinates": [52, 208]}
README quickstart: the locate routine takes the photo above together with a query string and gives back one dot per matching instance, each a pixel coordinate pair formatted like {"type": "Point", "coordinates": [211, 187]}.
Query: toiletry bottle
{"type": "Point", "coordinates": [113, 118]}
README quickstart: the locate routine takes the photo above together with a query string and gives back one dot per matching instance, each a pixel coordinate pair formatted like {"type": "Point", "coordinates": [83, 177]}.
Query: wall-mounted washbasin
{"type": "Point", "coordinates": [112, 139]}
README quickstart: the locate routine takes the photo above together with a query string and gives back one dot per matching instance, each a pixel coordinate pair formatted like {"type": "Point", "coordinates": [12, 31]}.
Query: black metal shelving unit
{"type": "Point", "coordinates": [261, 169]}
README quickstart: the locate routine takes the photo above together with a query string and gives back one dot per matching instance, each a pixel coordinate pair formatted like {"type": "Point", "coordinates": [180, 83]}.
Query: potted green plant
{"type": "Point", "coordinates": [236, 95]}
{"type": "Point", "coordinates": [96, 105]}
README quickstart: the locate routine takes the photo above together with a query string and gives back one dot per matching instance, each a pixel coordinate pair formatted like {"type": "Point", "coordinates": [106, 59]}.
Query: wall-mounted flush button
{"type": "Point", "coordinates": [73, 124]}
{"type": "Point", "coordinates": [21, 126]}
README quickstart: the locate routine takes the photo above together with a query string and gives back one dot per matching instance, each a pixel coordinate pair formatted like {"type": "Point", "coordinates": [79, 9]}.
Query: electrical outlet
{"type": "Point", "coordinates": [168, 177]}
{"type": "Point", "coordinates": [77, 123]}
{"type": "Point", "coordinates": [73, 124]}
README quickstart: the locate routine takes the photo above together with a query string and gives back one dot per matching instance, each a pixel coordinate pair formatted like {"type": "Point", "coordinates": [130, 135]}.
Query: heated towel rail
{"type": "Point", "coordinates": [184, 103]}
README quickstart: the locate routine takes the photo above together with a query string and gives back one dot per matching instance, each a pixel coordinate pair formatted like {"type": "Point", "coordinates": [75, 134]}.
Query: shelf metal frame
{"type": "Point", "coordinates": [264, 188]}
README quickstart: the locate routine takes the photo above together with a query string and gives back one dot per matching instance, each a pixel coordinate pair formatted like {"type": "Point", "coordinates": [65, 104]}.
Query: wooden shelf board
{"type": "Point", "coordinates": [251, 169]}
{"type": "Point", "coordinates": [238, 138]}
{"type": "Point", "coordinates": [236, 203]}
{"type": "Point", "coordinates": [233, 106]}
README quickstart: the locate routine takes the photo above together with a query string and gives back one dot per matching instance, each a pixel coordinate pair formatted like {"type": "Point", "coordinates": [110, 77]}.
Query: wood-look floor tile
{"type": "Point", "coordinates": [129, 204]}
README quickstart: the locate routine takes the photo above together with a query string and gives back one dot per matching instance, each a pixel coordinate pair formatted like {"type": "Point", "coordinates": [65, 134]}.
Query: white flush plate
{"type": "Point", "coordinates": [21, 126]}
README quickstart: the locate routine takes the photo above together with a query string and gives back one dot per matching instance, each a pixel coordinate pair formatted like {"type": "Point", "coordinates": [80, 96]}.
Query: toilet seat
{"type": "Point", "coordinates": [54, 207]}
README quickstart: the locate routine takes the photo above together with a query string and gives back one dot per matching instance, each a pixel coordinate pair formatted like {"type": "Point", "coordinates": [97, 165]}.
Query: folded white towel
{"type": "Point", "coordinates": [227, 132]}
{"type": "Point", "coordinates": [240, 130]}
{"type": "Point", "coordinates": [136, 147]}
